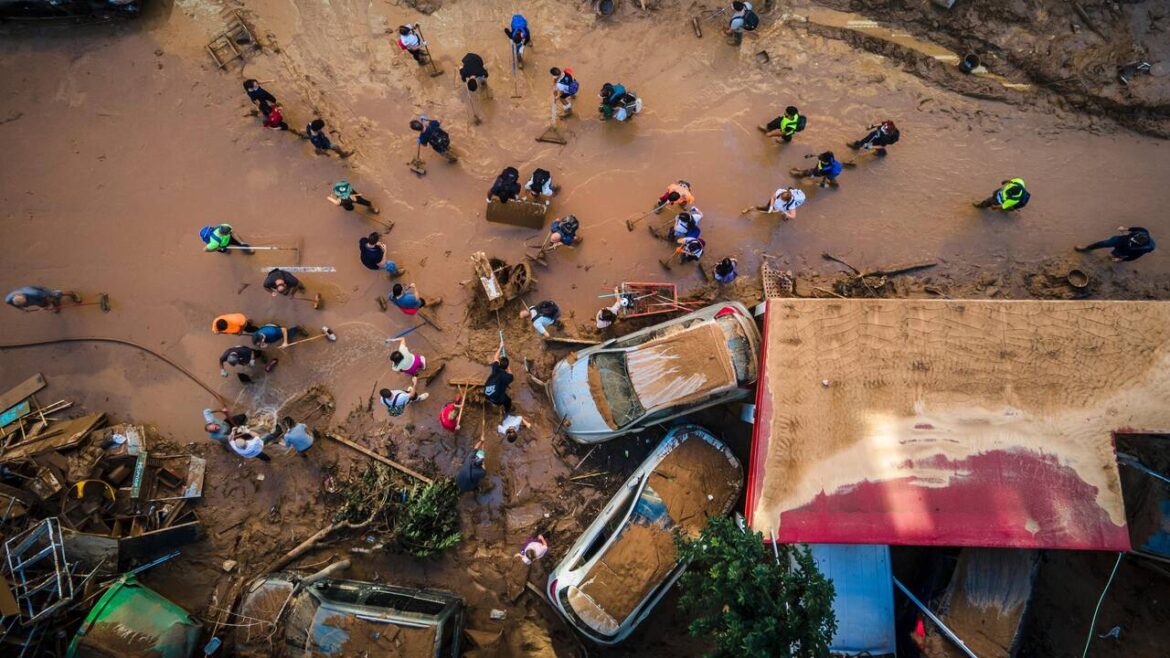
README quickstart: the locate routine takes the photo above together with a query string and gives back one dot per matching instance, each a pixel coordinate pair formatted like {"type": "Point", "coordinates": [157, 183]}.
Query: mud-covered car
{"type": "Point", "coordinates": [626, 560]}
{"type": "Point", "coordinates": [329, 617]}
{"type": "Point", "coordinates": [50, 9]}
{"type": "Point", "coordinates": [698, 360]}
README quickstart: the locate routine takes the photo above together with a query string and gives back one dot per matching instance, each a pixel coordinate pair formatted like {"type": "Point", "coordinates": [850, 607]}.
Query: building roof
{"type": "Point", "coordinates": [953, 423]}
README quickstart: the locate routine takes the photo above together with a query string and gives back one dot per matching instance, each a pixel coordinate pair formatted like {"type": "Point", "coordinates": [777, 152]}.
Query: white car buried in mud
{"type": "Point", "coordinates": [626, 561]}
{"type": "Point", "coordinates": [627, 384]}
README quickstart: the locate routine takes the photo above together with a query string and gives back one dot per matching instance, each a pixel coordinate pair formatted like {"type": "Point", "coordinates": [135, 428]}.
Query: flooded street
{"type": "Point", "coordinates": [122, 140]}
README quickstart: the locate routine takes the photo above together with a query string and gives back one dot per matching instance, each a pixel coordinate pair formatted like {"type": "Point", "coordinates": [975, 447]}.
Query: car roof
{"type": "Point", "coordinates": [697, 479]}
{"type": "Point", "coordinates": [681, 367]}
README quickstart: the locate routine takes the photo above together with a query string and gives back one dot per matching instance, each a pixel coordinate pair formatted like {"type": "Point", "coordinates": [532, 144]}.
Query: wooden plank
{"type": "Point", "coordinates": [373, 455]}
{"type": "Point", "coordinates": [528, 214]}
{"type": "Point", "coordinates": [21, 392]}
{"type": "Point", "coordinates": [59, 435]}
{"type": "Point", "coordinates": [10, 416]}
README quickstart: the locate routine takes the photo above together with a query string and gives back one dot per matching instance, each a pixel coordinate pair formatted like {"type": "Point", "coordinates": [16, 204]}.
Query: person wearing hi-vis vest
{"type": "Point", "coordinates": [785, 126]}
{"type": "Point", "coordinates": [1012, 196]}
{"type": "Point", "coordinates": [219, 238]}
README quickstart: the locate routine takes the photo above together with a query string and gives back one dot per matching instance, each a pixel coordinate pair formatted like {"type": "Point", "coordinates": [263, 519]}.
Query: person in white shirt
{"type": "Point", "coordinates": [533, 549]}
{"type": "Point", "coordinates": [608, 315]}
{"type": "Point", "coordinates": [247, 445]}
{"type": "Point", "coordinates": [408, 40]}
{"type": "Point", "coordinates": [511, 426]}
{"type": "Point", "coordinates": [784, 201]}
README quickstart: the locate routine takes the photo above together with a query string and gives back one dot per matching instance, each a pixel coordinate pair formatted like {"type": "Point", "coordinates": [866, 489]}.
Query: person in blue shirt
{"type": "Point", "coordinates": [32, 298]}
{"type": "Point", "coordinates": [269, 334]}
{"type": "Point", "coordinates": [828, 169]}
{"type": "Point", "coordinates": [725, 271]}
{"type": "Point", "coordinates": [220, 430]}
{"type": "Point", "coordinates": [315, 133]}
{"type": "Point", "coordinates": [431, 134]}
{"type": "Point", "coordinates": [520, 35]}
{"type": "Point", "coordinates": [297, 436]}
{"type": "Point", "coordinates": [544, 314]}
{"type": "Point", "coordinates": [407, 302]}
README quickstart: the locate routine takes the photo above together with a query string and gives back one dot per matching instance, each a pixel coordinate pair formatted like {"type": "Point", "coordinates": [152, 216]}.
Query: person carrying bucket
{"type": "Point", "coordinates": [1011, 197]}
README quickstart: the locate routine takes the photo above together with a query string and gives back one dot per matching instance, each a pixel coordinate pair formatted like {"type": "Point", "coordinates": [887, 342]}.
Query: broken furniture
{"type": "Point", "coordinates": [642, 299]}
{"type": "Point", "coordinates": [499, 281]}
{"type": "Point", "coordinates": [131, 619]}
{"type": "Point", "coordinates": [224, 47]}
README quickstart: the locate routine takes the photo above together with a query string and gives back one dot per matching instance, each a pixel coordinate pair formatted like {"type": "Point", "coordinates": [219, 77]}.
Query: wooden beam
{"type": "Point", "coordinates": [21, 392]}
{"type": "Point", "coordinates": [385, 460]}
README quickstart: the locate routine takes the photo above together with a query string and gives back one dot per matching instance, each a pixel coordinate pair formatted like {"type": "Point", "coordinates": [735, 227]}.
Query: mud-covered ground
{"type": "Point", "coordinates": [122, 140]}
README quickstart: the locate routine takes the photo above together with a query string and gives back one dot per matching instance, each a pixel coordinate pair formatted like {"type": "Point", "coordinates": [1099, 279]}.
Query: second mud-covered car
{"type": "Point", "coordinates": [698, 360]}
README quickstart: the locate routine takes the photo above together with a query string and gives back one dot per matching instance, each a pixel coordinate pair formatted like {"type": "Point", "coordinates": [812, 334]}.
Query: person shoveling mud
{"type": "Point", "coordinates": [1133, 243]}
{"type": "Point", "coordinates": [1013, 196]}
{"type": "Point", "coordinates": [344, 195]}
{"type": "Point", "coordinates": [220, 238]}
{"type": "Point", "coordinates": [36, 298]}
{"type": "Point", "coordinates": [315, 133]}
{"type": "Point", "coordinates": [372, 252]}
{"type": "Point", "coordinates": [431, 133]}
{"type": "Point", "coordinates": [828, 168]}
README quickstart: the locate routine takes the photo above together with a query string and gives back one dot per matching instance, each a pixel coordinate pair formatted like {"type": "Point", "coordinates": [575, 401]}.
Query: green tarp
{"type": "Point", "coordinates": [133, 621]}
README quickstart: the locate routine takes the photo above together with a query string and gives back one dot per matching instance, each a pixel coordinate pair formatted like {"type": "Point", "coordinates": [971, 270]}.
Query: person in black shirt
{"type": "Point", "coordinates": [279, 282]}
{"type": "Point", "coordinates": [495, 389]}
{"type": "Point", "coordinates": [373, 255]}
{"type": "Point", "coordinates": [258, 94]}
{"type": "Point", "coordinates": [472, 470]}
{"type": "Point", "coordinates": [240, 355]}
{"type": "Point", "coordinates": [473, 72]}
{"type": "Point", "coordinates": [1134, 243]}
{"type": "Point", "coordinates": [506, 187]}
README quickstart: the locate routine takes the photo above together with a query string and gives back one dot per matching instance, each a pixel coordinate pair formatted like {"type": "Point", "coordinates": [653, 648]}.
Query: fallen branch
{"type": "Point", "coordinates": [828, 256]}
{"type": "Point", "coordinates": [385, 460]}
{"type": "Point", "coordinates": [571, 341]}
{"type": "Point", "coordinates": [901, 269]}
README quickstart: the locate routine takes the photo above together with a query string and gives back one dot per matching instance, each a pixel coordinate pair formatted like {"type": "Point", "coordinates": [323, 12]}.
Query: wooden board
{"type": "Point", "coordinates": [529, 214]}
{"type": "Point", "coordinates": [10, 416]}
{"type": "Point", "coordinates": [22, 391]}
{"type": "Point", "coordinates": [63, 434]}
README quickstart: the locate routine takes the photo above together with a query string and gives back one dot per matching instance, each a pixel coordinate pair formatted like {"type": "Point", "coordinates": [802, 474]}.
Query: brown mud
{"type": "Point", "coordinates": [123, 139]}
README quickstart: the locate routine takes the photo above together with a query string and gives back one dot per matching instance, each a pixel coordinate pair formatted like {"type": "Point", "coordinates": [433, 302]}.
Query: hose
{"type": "Point", "coordinates": [119, 341]}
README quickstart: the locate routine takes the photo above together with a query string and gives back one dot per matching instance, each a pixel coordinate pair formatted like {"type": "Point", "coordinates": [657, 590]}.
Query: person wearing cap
{"type": "Point", "coordinates": [784, 127]}
{"type": "Point", "coordinates": [473, 72]}
{"type": "Point", "coordinates": [239, 356]}
{"type": "Point", "coordinates": [472, 471]}
{"type": "Point", "coordinates": [279, 282]}
{"type": "Point", "coordinates": [219, 238]}
{"type": "Point", "coordinates": [677, 194]}
{"type": "Point", "coordinates": [828, 169]}
{"type": "Point", "coordinates": [880, 136]}
{"type": "Point", "coordinates": [31, 298]}
{"type": "Point", "coordinates": [409, 41]}
{"type": "Point", "coordinates": [725, 271]}
{"type": "Point", "coordinates": [785, 201]}
{"type": "Point", "coordinates": [565, 88]}
{"type": "Point", "coordinates": [1133, 243]}
{"type": "Point", "coordinates": [1012, 196]}
{"type": "Point", "coordinates": [346, 196]}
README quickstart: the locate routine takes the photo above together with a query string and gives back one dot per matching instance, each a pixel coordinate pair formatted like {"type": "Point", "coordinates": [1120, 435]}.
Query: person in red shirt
{"type": "Point", "coordinates": [273, 116]}
{"type": "Point", "coordinates": [449, 416]}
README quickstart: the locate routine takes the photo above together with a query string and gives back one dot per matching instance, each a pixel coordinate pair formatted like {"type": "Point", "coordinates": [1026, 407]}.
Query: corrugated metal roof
{"type": "Point", "coordinates": [865, 596]}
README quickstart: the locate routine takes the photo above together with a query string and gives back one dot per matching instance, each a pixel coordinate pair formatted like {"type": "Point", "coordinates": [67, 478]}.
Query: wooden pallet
{"type": "Point", "coordinates": [223, 47]}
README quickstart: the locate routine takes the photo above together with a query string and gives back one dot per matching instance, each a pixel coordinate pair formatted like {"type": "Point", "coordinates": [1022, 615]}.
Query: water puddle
{"type": "Point", "coordinates": [862, 25]}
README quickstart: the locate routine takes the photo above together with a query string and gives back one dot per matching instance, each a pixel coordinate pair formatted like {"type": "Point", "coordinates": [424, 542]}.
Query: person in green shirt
{"type": "Point", "coordinates": [219, 238]}
{"type": "Point", "coordinates": [785, 126]}
{"type": "Point", "coordinates": [1012, 196]}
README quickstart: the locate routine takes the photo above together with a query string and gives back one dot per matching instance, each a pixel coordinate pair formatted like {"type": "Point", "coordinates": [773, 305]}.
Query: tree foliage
{"type": "Point", "coordinates": [428, 522]}
{"type": "Point", "coordinates": [750, 604]}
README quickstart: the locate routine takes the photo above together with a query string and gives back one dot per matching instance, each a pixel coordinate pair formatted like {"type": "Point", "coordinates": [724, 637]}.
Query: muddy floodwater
{"type": "Point", "coordinates": [121, 140]}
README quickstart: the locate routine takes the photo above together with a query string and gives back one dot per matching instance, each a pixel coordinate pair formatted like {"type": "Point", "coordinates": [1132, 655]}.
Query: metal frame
{"type": "Point", "coordinates": [42, 580]}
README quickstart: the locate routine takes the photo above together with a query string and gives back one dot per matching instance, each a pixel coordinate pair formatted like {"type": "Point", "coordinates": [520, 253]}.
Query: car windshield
{"type": "Point", "coordinates": [620, 403]}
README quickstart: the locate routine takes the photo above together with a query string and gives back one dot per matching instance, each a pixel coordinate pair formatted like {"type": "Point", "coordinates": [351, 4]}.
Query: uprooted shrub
{"type": "Point", "coordinates": [421, 520]}
{"type": "Point", "coordinates": [428, 521]}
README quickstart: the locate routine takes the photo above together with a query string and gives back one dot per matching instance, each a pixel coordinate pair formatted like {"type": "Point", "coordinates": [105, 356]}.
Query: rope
{"type": "Point", "coordinates": [119, 341]}
{"type": "Point", "coordinates": [1093, 623]}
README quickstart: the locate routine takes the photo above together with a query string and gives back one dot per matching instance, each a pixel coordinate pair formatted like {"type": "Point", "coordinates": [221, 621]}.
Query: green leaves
{"type": "Point", "coordinates": [428, 522]}
{"type": "Point", "coordinates": [746, 603]}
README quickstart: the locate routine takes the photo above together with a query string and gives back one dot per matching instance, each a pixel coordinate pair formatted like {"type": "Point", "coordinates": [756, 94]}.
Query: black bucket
{"type": "Point", "coordinates": [605, 7]}
{"type": "Point", "coordinates": [970, 63]}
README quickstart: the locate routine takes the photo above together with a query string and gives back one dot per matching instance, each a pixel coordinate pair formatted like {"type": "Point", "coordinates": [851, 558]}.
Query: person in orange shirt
{"type": "Point", "coordinates": [678, 194]}
{"type": "Point", "coordinates": [233, 323]}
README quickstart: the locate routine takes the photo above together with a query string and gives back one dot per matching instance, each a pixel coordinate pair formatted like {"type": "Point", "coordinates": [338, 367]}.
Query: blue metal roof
{"type": "Point", "coordinates": [865, 596]}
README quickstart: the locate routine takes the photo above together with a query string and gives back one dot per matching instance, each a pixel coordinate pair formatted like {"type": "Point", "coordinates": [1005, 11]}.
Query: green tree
{"type": "Point", "coordinates": [750, 604]}
{"type": "Point", "coordinates": [428, 522]}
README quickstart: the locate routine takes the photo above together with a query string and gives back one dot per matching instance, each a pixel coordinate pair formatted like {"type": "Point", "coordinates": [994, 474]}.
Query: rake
{"type": "Point", "coordinates": [316, 301]}
{"type": "Point", "coordinates": [435, 71]}
{"type": "Point", "coordinates": [552, 135]}
{"type": "Point", "coordinates": [103, 301]}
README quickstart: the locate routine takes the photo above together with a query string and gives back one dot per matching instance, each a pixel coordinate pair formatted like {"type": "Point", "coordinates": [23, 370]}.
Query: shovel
{"type": "Point", "coordinates": [631, 223]}
{"type": "Point", "coordinates": [417, 165]}
{"type": "Point", "coordinates": [316, 301]}
{"type": "Point", "coordinates": [326, 332]}
{"type": "Point", "coordinates": [435, 71]}
{"type": "Point", "coordinates": [515, 79]}
{"type": "Point", "coordinates": [103, 301]}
